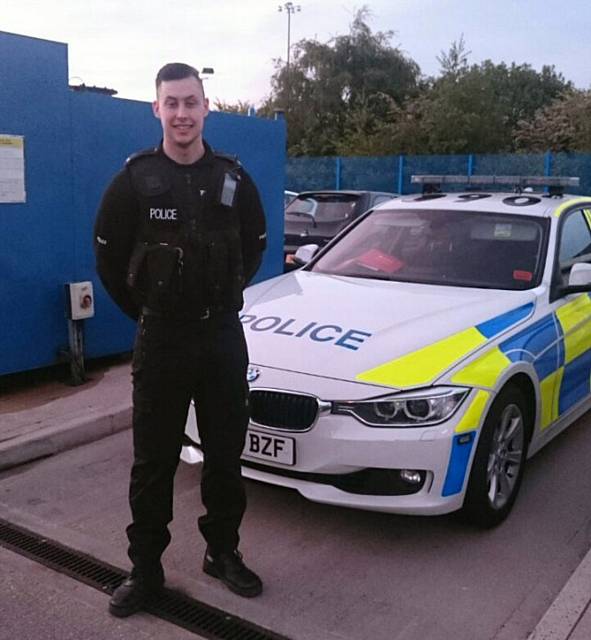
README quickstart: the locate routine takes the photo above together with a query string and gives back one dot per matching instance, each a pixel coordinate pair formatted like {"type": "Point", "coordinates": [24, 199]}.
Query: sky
{"type": "Point", "coordinates": [121, 44]}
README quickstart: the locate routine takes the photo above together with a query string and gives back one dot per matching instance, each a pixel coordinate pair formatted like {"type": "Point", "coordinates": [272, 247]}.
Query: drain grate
{"type": "Point", "coordinates": [172, 606]}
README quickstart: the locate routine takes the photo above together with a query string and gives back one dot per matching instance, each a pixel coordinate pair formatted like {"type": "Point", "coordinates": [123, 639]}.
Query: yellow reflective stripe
{"type": "Point", "coordinates": [549, 391]}
{"type": "Point", "coordinates": [484, 371]}
{"type": "Point", "coordinates": [574, 319]}
{"type": "Point", "coordinates": [420, 367]}
{"type": "Point", "coordinates": [568, 204]}
{"type": "Point", "coordinates": [471, 419]}
{"type": "Point", "coordinates": [587, 214]}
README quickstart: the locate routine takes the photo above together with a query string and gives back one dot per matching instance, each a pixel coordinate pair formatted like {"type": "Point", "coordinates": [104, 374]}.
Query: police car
{"type": "Point", "coordinates": [416, 362]}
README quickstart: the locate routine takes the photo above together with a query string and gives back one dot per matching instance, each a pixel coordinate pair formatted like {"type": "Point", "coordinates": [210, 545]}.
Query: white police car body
{"type": "Point", "coordinates": [418, 360]}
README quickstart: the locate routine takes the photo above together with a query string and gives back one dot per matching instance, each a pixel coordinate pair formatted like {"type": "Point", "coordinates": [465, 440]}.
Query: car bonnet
{"type": "Point", "coordinates": [394, 334]}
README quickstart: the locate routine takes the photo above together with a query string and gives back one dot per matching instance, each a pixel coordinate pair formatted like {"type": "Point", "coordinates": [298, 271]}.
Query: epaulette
{"type": "Point", "coordinates": [141, 154]}
{"type": "Point", "coordinates": [228, 157]}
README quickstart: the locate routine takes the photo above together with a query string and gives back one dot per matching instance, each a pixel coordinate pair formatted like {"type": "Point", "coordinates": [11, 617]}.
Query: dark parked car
{"type": "Point", "coordinates": [315, 217]}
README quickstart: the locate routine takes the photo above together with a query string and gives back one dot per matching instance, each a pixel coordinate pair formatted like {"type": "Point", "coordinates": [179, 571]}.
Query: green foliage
{"type": "Point", "coordinates": [328, 83]}
{"type": "Point", "coordinates": [240, 107]}
{"type": "Point", "coordinates": [476, 109]}
{"type": "Point", "coordinates": [454, 62]}
{"type": "Point", "coordinates": [359, 95]}
{"type": "Point", "coordinates": [564, 125]}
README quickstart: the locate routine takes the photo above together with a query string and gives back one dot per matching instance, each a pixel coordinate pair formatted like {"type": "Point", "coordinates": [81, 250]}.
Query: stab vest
{"type": "Point", "coordinates": [188, 254]}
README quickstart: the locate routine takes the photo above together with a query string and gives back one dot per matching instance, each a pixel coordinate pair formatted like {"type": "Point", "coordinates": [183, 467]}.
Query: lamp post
{"type": "Point", "coordinates": [289, 8]}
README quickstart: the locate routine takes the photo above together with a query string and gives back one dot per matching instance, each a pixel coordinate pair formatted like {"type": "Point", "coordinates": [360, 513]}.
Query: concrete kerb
{"type": "Point", "coordinates": [73, 432]}
{"type": "Point", "coordinates": [569, 607]}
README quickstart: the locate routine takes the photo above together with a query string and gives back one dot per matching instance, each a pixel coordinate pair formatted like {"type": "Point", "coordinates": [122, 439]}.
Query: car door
{"type": "Point", "coordinates": [573, 316]}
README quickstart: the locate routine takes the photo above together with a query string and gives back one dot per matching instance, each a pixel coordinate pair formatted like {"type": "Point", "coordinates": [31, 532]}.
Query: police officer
{"type": "Point", "coordinates": [179, 233]}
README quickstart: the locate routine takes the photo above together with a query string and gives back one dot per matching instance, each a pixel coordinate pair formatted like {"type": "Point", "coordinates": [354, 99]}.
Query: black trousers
{"type": "Point", "coordinates": [174, 362]}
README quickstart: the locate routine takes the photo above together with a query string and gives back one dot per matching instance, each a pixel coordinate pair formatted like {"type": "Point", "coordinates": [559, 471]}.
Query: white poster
{"type": "Point", "coordinates": [12, 169]}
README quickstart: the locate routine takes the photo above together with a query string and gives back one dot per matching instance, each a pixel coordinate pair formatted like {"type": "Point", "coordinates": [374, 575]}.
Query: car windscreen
{"type": "Point", "coordinates": [458, 248]}
{"type": "Point", "coordinates": [323, 207]}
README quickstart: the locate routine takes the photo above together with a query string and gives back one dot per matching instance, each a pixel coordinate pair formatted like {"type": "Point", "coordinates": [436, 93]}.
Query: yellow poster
{"type": "Point", "coordinates": [12, 169]}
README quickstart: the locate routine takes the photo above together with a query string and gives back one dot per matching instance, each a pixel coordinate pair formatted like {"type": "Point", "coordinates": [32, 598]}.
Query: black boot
{"type": "Point", "coordinates": [229, 568]}
{"type": "Point", "coordinates": [133, 594]}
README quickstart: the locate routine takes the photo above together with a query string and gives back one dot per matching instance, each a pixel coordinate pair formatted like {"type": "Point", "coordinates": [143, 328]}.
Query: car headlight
{"type": "Point", "coordinates": [414, 409]}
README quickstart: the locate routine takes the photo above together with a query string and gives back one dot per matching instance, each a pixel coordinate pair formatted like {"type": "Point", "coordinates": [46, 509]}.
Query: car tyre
{"type": "Point", "coordinates": [499, 461]}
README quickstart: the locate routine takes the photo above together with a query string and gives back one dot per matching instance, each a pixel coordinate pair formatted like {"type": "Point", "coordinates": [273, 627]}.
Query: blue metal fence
{"type": "Point", "coordinates": [393, 173]}
{"type": "Point", "coordinates": [73, 144]}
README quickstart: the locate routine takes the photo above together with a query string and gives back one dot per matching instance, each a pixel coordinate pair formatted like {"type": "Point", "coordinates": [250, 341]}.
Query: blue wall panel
{"type": "Point", "coordinates": [74, 144]}
{"type": "Point", "coordinates": [105, 131]}
{"type": "Point", "coordinates": [33, 262]}
{"type": "Point", "coordinates": [260, 144]}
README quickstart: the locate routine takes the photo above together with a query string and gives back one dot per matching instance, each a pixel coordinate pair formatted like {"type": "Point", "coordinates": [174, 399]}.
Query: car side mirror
{"type": "Point", "coordinates": [580, 275]}
{"type": "Point", "coordinates": [304, 254]}
{"type": "Point", "coordinates": [579, 281]}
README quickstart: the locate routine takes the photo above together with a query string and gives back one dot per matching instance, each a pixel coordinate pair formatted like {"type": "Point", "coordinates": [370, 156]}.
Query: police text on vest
{"type": "Point", "coordinates": [163, 214]}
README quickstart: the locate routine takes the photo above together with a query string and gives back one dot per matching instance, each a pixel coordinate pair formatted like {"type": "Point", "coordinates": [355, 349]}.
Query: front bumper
{"type": "Point", "coordinates": [341, 461]}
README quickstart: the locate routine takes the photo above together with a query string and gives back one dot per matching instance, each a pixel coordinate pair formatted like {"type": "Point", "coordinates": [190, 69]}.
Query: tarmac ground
{"type": "Point", "coordinates": [42, 415]}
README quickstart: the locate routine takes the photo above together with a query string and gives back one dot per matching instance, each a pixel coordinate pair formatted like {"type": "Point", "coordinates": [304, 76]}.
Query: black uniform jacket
{"type": "Point", "coordinates": [123, 215]}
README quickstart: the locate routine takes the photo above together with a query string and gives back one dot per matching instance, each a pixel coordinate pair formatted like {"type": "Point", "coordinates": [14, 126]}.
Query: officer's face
{"type": "Point", "coordinates": [181, 108]}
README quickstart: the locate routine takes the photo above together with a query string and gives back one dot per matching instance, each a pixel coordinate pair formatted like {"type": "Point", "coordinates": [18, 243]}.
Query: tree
{"type": "Point", "coordinates": [327, 84]}
{"type": "Point", "coordinates": [239, 107]}
{"type": "Point", "coordinates": [473, 109]}
{"type": "Point", "coordinates": [564, 125]}
{"type": "Point", "coordinates": [454, 63]}
{"type": "Point", "coordinates": [358, 95]}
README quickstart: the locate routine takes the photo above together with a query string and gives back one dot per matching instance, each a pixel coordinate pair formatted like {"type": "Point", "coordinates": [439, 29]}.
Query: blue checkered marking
{"type": "Point", "coordinates": [575, 382]}
{"type": "Point", "coordinates": [535, 339]}
{"type": "Point", "coordinates": [497, 325]}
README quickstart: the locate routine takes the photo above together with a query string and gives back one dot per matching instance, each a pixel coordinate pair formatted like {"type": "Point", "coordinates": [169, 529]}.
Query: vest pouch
{"type": "Point", "coordinates": [225, 280]}
{"type": "Point", "coordinates": [155, 274]}
{"type": "Point", "coordinates": [217, 271]}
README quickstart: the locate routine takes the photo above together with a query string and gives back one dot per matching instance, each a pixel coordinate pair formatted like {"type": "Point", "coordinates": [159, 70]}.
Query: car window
{"type": "Point", "coordinates": [575, 239]}
{"type": "Point", "coordinates": [300, 205]}
{"type": "Point", "coordinates": [471, 249]}
{"type": "Point", "coordinates": [324, 207]}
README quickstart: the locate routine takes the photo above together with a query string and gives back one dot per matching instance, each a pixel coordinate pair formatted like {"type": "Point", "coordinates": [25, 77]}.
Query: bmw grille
{"type": "Point", "coordinates": [280, 410]}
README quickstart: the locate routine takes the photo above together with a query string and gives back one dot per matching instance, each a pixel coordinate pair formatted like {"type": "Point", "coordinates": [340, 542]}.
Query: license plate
{"type": "Point", "coordinates": [264, 446]}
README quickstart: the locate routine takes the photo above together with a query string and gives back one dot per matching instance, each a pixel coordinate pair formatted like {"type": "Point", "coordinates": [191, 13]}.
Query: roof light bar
{"type": "Point", "coordinates": [521, 181]}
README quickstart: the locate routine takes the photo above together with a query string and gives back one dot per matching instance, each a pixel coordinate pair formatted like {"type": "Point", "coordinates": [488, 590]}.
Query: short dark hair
{"type": "Point", "coordinates": [177, 71]}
